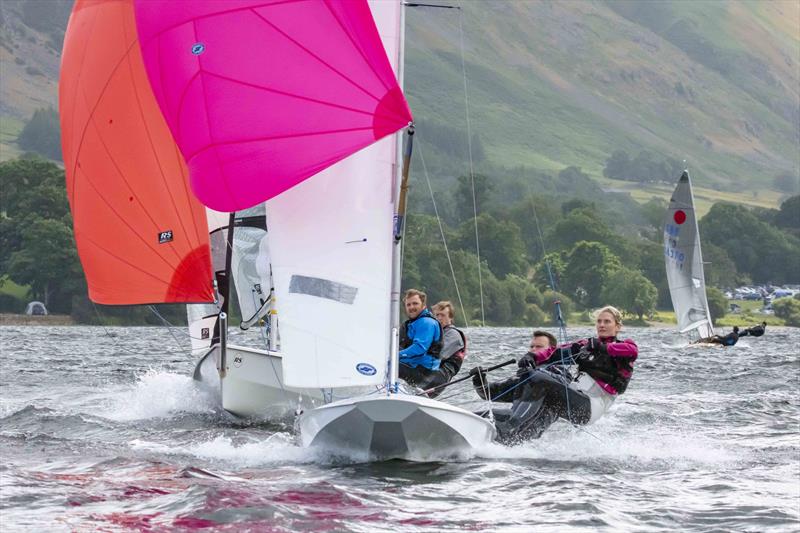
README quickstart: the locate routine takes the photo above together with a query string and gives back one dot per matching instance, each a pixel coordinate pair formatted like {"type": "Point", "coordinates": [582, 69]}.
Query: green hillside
{"type": "Point", "coordinates": [557, 84]}
{"type": "Point", "coordinates": [552, 85]}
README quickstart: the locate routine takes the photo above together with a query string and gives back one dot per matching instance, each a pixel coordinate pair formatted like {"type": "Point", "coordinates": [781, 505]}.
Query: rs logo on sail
{"type": "Point", "coordinates": [165, 236]}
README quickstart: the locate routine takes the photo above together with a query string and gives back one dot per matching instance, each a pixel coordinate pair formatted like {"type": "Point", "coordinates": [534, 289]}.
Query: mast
{"type": "Point", "coordinates": [399, 198]}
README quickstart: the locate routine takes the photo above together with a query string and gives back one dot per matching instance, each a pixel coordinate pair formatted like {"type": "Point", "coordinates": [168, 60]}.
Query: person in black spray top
{"type": "Point", "coordinates": [755, 331]}
{"type": "Point", "coordinates": [544, 390]}
{"type": "Point", "coordinates": [728, 340]}
{"type": "Point", "coordinates": [454, 349]}
{"type": "Point", "coordinates": [420, 340]}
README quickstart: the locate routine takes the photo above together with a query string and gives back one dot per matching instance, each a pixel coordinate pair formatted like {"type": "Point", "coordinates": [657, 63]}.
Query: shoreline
{"type": "Point", "coordinates": [10, 319]}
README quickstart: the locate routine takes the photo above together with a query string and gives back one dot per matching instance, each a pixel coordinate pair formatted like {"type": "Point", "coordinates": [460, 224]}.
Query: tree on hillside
{"type": "Point", "coordinates": [572, 179]}
{"type": "Point", "coordinates": [47, 261]}
{"type": "Point", "coordinates": [576, 203]}
{"type": "Point", "coordinates": [31, 185]}
{"type": "Point", "coordinates": [720, 269]}
{"type": "Point", "coordinates": [789, 215]}
{"type": "Point", "coordinates": [550, 270]}
{"type": "Point", "coordinates": [630, 291]}
{"type": "Point", "coordinates": [759, 249]}
{"type": "Point", "coordinates": [42, 134]}
{"type": "Point", "coordinates": [424, 230]}
{"type": "Point", "coordinates": [645, 167]}
{"type": "Point", "coordinates": [650, 262]}
{"type": "Point", "coordinates": [501, 244]}
{"type": "Point", "coordinates": [589, 266]}
{"type": "Point", "coordinates": [786, 182]}
{"type": "Point", "coordinates": [578, 225]}
{"type": "Point", "coordinates": [653, 211]}
{"type": "Point", "coordinates": [549, 299]}
{"type": "Point", "coordinates": [788, 309]}
{"type": "Point", "coordinates": [526, 214]}
{"type": "Point", "coordinates": [484, 188]}
{"type": "Point", "coordinates": [618, 166]}
{"type": "Point", "coordinates": [36, 243]}
{"type": "Point", "coordinates": [717, 303]}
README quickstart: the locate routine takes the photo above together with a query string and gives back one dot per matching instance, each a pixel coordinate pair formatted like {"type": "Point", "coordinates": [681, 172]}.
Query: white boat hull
{"type": "Point", "coordinates": [397, 426]}
{"type": "Point", "coordinates": [252, 384]}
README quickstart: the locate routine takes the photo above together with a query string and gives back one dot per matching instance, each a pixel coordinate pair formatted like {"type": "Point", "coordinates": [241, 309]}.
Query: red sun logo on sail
{"type": "Point", "coordinates": [679, 217]}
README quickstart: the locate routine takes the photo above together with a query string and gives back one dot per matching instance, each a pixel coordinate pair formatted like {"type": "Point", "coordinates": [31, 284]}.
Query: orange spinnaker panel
{"type": "Point", "coordinates": [142, 236]}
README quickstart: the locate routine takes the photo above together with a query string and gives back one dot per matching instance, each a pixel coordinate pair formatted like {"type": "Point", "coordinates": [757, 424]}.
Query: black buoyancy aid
{"type": "Point", "coordinates": [608, 369]}
{"type": "Point", "coordinates": [462, 351]}
{"type": "Point", "coordinates": [435, 349]}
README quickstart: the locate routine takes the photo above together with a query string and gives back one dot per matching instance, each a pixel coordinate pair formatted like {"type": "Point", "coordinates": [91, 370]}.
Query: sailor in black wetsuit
{"type": "Point", "coordinates": [728, 340]}
{"type": "Point", "coordinates": [544, 390]}
{"type": "Point", "coordinates": [755, 331]}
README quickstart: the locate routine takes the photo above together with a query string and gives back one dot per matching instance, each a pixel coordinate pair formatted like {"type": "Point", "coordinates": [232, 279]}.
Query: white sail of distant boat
{"type": "Point", "coordinates": [684, 262]}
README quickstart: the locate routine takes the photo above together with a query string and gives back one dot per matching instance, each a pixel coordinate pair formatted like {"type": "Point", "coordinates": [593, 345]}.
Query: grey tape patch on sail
{"type": "Point", "coordinates": [323, 288]}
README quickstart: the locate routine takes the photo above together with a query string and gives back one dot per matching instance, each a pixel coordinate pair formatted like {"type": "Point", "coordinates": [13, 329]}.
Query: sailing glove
{"type": "Point", "coordinates": [527, 361]}
{"type": "Point", "coordinates": [478, 375]}
{"type": "Point", "coordinates": [595, 346]}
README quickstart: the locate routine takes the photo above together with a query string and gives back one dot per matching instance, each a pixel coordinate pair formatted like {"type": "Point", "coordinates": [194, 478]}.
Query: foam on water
{"type": "Point", "coordinates": [159, 394]}
{"type": "Point", "coordinates": [278, 448]}
{"type": "Point", "coordinates": [604, 441]}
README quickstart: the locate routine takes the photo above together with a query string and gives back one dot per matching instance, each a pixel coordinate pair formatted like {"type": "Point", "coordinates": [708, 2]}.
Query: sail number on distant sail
{"type": "Point", "coordinates": [670, 250]}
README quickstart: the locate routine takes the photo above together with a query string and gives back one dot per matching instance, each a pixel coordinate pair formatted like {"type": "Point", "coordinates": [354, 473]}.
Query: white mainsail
{"type": "Point", "coordinates": [684, 262]}
{"type": "Point", "coordinates": [330, 239]}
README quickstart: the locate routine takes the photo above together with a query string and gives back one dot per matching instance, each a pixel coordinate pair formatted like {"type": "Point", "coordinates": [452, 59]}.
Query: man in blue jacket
{"type": "Point", "coordinates": [420, 340]}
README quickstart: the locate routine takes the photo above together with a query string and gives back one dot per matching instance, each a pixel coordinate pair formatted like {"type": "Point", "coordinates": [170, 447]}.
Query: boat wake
{"type": "Point", "coordinates": [160, 394]}
{"type": "Point", "coordinates": [610, 443]}
{"type": "Point", "coordinates": [277, 448]}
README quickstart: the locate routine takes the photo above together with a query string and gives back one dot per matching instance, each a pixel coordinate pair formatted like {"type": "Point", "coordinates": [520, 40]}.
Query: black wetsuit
{"type": "Point", "coordinates": [728, 340]}
{"type": "Point", "coordinates": [755, 331]}
{"type": "Point", "coordinates": [538, 398]}
{"type": "Point", "coordinates": [451, 362]}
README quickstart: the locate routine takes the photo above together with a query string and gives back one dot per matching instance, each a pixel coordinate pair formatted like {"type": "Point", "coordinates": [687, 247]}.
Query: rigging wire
{"type": "Point", "coordinates": [441, 231]}
{"type": "Point", "coordinates": [119, 346]}
{"type": "Point", "coordinates": [471, 163]}
{"type": "Point", "coordinates": [562, 326]}
{"type": "Point", "coordinates": [267, 349]}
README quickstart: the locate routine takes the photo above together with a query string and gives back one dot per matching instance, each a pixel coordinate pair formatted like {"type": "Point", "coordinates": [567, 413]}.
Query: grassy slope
{"type": "Point", "coordinates": [9, 131]}
{"type": "Point", "coordinates": [566, 83]}
{"type": "Point", "coordinates": [20, 292]}
{"type": "Point", "coordinates": [552, 85]}
{"type": "Point", "coordinates": [704, 197]}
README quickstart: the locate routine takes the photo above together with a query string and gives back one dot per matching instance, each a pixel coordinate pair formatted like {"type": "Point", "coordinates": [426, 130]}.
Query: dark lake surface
{"type": "Point", "coordinates": [103, 429]}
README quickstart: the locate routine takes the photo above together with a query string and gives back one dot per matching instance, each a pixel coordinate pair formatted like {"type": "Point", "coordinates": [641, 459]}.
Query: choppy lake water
{"type": "Point", "coordinates": [104, 430]}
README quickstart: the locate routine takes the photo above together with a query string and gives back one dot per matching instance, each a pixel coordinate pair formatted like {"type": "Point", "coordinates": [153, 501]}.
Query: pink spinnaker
{"type": "Point", "coordinates": [260, 95]}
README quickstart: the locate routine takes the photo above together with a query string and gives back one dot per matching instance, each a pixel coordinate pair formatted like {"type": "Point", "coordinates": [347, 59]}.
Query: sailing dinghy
{"type": "Point", "coordinates": [308, 130]}
{"type": "Point", "coordinates": [141, 234]}
{"type": "Point", "coordinates": [684, 263]}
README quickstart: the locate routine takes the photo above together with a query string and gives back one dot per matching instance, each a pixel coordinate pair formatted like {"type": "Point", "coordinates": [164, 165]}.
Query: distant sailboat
{"type": "Point", "coordinates": [684, 263]}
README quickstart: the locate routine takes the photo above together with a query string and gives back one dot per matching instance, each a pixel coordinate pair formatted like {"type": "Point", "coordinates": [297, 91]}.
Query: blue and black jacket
{"type": "Point", "coordinates": [421, 341]}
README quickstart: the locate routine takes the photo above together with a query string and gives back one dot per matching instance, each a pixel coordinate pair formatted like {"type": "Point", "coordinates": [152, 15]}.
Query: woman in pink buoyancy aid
{"type": "Point", "coordinates": [540, 394]}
